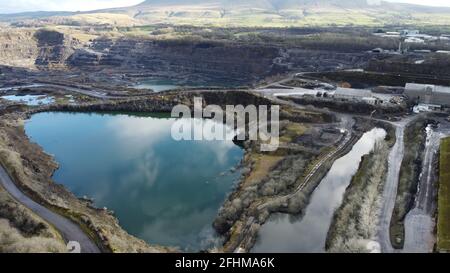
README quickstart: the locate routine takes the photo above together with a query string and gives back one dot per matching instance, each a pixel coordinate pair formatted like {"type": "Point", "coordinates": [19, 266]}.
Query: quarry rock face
{"type": "Point", "coordinates": [210, 58]}
{"type": "Point", "coordinates": [35, 49]}
{"type": "Point", "coordinates": [18, 48]}
{"type": "Point", "coordinates": [47, 49]}
{"type": "Point", "coordinates": [83, 57]}
{"type": "Point", "coordinates": [54, 48]}
{"type": "Point", "coordinates": [216, 61]}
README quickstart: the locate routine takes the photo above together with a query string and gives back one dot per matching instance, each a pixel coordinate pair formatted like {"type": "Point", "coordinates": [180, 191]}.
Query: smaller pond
{"type": "Point", "coordinates": [18, 87]}
{"type": "Point", "coordinates": [30, 100]}
{"type": "Point", "coordinates": [289, 234]}
{"type": "Point", "coordinates": [157, 85]}
{"type": "Point", "coordinates": [165, 84]}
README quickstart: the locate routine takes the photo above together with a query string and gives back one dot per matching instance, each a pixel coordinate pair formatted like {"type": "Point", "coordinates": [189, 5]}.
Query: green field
{"type": "Point", "coordinates": [444, 198]}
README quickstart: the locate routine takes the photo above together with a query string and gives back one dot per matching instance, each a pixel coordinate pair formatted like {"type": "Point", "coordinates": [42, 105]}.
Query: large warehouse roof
{"type": "Point", "coordinates": [424, 87]}
{"type": "Point", "coordinates": [428, 94]}
{"type": "Point", "coordinates": [350, 92]}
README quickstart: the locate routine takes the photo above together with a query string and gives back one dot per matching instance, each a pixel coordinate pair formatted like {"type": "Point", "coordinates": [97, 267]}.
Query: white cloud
{"type": "Point", "coordinates": [8, 6]}
{"type": "Point", "coordinates": [438, 3]}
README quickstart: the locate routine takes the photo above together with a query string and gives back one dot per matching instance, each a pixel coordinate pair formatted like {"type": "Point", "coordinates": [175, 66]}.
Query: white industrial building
{"type": "Point", "coordinates": [428, 94]}
{"type": "Point", "coordinates": [357, 95]}
{"type": "Point", "coordinates": [352, 94]}
{"type": "Point", "coordinates": [414, 40]}
{"type": "Point", "coordinates": [407, 32]}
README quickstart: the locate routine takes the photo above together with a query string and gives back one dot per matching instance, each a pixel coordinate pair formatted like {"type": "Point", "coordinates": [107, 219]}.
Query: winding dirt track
{"type": "Point", "coordinates": [70, 231]}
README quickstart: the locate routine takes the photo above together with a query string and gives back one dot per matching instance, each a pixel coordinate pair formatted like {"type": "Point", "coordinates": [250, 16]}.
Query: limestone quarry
{"type": "Point", "coordinates": [86, 152]}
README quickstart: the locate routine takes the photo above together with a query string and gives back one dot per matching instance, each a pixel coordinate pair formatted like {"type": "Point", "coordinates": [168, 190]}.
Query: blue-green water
{"type": "Point", "coordinates": [285, 234]}
{"type": "Point", "coordinates": [165, 84]}
{"type": "Point", "coordinates": [163, 191]}
{"type": "Point", "coordinates": [31, 100]}
{"type": "Point", "coordinates": [157, 85]}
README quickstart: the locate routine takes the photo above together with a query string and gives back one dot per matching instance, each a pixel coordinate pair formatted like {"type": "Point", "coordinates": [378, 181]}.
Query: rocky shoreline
{"type": "Point", "coordinates": [267, 182]}
{"type": "Point", "coordinates": [32, 168]}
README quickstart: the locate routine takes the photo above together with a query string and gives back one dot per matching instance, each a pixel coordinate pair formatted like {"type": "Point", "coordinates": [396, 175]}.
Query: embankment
{"type": "Point", "coordinates": [411, 167]}
{"type": "Point", "coordinates": [252, 203]}
{"type": "Point", "coordinates": [443, 226]}
{"type": "Point", "coordinates": [355, 222]}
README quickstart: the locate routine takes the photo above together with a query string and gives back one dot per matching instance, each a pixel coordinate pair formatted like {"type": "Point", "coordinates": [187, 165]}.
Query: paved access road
{"type": "Point", "coordinates": [70, 231]}
{"type": "Point", "coordinates": [419, 223]}
{"type": "Point", "coordinates": [391, 185]}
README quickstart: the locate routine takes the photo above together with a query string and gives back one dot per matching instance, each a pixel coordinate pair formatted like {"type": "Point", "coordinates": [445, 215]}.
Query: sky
{"type": "Point", "coordinates": [12, 6]}
{"type": "Point", "coordinates": [438, 3]}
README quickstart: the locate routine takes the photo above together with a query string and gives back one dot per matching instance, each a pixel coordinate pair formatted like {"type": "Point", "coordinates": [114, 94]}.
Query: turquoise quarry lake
{"type": "Point", "coordinates": [163, 191]}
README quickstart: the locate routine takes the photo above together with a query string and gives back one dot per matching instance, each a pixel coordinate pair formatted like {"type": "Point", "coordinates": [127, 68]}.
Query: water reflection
{"type": "Point", "coordinates": [157, 85]}
{"type": "Point", "coordinates": [284, 233]}
{"type": "Point", "coordinates": [163, 191]}
{"type": "Point", "coordinates": [30, 100]}
{"type": "Point", "coordinates": [165, 84]}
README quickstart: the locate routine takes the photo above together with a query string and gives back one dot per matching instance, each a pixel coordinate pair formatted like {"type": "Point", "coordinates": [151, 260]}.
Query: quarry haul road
{"type": "Point", "coordinates": [390, 190]}
{"type": "Point", "coordinates": [95, 93]}
{"type": "Point", "coordinates": [70, 231]}
{"type": "Point", "coordinates": [347, 124]}
{"type": "Point", "coordinates": [90, 92]}
{"type": "Point", "coordinates": [391, 186]}
{"type": "Point", "coordinates": [420, 223]}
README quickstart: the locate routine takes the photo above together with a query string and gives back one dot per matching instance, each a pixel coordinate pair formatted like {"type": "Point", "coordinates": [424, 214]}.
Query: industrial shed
{"type": "Point", "coordinates": [428, 94]}
{"type": "Point", "coordinates": [352, 94]}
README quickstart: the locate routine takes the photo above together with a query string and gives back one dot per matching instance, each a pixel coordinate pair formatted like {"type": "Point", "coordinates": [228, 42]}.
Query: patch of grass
{"type": "Point", "coordinates": [262, 165]}
{"type": "Point", "coordinates": [104, 18]}
{"type": "Point", "coordinates": [292, 131]}
{"type": "Point", "coordinates": [292, 17]}
{"type": "Point", "coordinates": [443, 237]}
{"type": "Point", "coordinates": [21, 231]}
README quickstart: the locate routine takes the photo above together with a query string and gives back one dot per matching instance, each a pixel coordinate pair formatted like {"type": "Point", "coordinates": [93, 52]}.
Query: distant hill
{"type": "Point", "coordinates": [278, 5]}
{"type": "Point", "coordinates": [256, 13]}
{"type": "Point", "coordinates": [257, 4]}
{"type": "Point", "coordinates": [33, 15]}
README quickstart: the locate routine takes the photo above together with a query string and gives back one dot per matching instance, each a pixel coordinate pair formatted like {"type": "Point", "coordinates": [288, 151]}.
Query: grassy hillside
{"type": "Point", "coordinates": [444, 198]}
{"type": "Point", "coordinates": [252, 13]}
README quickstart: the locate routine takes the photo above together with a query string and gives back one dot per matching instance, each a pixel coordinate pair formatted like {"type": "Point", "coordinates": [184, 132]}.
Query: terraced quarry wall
{"type": "Point", "coordinates": [222, 61]}
{"type": "Point", "coordinates": [31, 48]}
{"type": "Point", "coordinates": [191, 58]}
{"type": "Point", "coordinates": [17, 48]}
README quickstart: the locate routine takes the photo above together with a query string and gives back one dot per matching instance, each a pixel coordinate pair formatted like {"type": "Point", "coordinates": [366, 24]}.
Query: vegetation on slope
{"type": "Point", "coordinates": [257, 13]}
{"type": "Point", "coordinates": [355, 222]}
{"type": "Point", "coordinates": [443, 228]}
{"type": "Point", "coordinates": [23, 232]}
